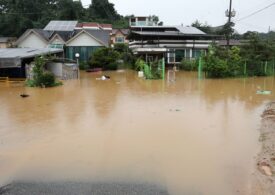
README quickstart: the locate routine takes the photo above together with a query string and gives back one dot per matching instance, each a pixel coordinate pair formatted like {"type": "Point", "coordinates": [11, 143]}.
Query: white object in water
{"type": "Point", "coordinates": [140, 74]}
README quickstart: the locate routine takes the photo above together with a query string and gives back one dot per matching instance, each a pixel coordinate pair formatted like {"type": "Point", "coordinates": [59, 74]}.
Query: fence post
{"type": "Point", "coordinates": [273, 66]}
{"type": "Point", "coordinates": [245, 68]}
{"type": "Point", "coordinates": [163, 68]}
{"type": "Point", "coordinates": [265, 67]}
{"type": "Point", "coordinates": [200, 68]}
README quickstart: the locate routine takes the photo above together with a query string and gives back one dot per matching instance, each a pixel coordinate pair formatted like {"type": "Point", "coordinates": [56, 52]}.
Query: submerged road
{"type": "Point", "coordinates": [71, 188]}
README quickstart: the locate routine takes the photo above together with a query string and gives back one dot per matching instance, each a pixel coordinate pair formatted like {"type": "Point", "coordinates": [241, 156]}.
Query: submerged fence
{"type": "Point", "coordinates": [245, 68]}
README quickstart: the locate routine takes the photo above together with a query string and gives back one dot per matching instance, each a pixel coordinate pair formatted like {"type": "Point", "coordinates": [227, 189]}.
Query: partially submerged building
{"type": "Point", "coordinates": [70, 36]}
{"type": "Point", "coordinates": [173, 43]}
{"type": "Point", "coordinates": [14, 61]}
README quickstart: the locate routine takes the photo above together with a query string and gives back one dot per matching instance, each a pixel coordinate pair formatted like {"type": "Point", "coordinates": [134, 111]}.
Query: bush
{"type": "Point", "coordinates": [40, 77]}
{"type": "Point", "coordinates": [189, 65]}
{"type": "Point", "coordinates": [220, 63]}
{"type": "Point", "coordinates": [83, 66]}
{"type": "Point", "coordinates": [105, 58]}
{"type": "Point", "coordinates": [47, 80]}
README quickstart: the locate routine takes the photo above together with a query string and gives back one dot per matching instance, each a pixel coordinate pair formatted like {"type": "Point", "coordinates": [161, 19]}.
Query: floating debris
{"type": "Point", "coordinates": [24, 95]}
{"type": "Point", "coordinates": [262, 92]}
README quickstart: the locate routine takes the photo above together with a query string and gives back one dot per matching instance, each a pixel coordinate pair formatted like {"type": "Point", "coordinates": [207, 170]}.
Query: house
{"type": "Point", "coordinates": [85, 42]}
{"type": "Point", "coordinates": [7, 42]}
{"type": "Point", "coordinates": [173, 43]}
{"type": "Point", "coordinates": [119, 36]}
{"type": "Point", "coordinates": [13, 61]}
{"type": "Point", "coordinates": [142, 21]}
{"type": "Point", "coordinates": [71, 36]}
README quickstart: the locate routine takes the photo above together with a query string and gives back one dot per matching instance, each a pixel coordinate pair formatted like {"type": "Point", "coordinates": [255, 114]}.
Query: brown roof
{"type": "Point", "coordinates": [93, 25]}
{"type": "Point", "coordinates": [123, 31]}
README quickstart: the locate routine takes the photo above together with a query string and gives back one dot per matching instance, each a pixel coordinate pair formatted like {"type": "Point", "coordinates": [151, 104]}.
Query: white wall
{"type": "Point", "coordinates": [57, 41]}
{"type": "Point", "coordinates": [55, 68]}
{"type": "Point", "coordinates": [84, 40]}
{"type": "Point", "coordinates": [32, 41]}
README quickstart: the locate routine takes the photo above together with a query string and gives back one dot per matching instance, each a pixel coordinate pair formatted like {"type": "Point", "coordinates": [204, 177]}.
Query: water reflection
{"type": "Point", "coordinates": [195, 136]}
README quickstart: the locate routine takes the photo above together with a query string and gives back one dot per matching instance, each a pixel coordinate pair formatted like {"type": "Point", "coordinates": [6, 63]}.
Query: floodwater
{"type": "Point", "coordinates": [190, 136]}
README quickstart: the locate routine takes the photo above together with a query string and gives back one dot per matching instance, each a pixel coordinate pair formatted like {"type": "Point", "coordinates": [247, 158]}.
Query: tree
{"type": "Point", "coordinates": [105, 58]}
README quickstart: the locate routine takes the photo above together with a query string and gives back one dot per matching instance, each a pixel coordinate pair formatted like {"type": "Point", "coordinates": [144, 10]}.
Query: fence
{"type": "Point", "coordinates": [245, 68]}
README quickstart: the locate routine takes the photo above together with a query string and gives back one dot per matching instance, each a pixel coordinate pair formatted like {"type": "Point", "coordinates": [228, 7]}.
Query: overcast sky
{"type": "Point", "coordinates": [175, 12]}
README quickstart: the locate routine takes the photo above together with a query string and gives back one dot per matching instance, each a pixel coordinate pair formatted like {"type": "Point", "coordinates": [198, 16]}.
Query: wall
{"type": "Point", "coordinates": [84, 40]}
{"type": "Point", "coordinates": [33, 41]}
{"type": "Point", "coordinates": [55, 68]}
{"type": "Point", "coordinates": [84, 51]}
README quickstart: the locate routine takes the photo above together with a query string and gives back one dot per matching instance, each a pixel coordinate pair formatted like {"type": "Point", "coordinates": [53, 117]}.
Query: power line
{"type": "Point", "coordinates": [256, 12]}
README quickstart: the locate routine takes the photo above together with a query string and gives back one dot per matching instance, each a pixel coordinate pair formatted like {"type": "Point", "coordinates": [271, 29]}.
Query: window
{"type": "Point", "coordinates": [180, 54]}
{"type": "Point", "coordinates": [171, 56]}
{"type": "Point", "coordinates": [120, 39]}
{"type": "Point", "coordinates": [197, 53]}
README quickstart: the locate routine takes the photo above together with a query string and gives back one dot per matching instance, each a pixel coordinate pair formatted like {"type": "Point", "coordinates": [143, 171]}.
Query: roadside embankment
{"type": "Point", "coordinates": [265, 174]}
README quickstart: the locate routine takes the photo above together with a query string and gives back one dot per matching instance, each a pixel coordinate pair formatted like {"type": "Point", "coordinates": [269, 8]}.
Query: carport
{"type": "Point", "coordinates": [13, 60]}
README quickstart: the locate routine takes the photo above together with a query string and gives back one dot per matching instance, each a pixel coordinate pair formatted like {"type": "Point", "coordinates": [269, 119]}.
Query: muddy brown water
{"type": "Point", "coordinates": [190, 136]}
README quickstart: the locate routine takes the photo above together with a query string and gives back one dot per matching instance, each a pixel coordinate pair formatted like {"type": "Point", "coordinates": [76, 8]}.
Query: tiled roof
{"type": "Point", "coordinates": [93, 25]}
{"type": "Point", "coordinates": [123, 31]}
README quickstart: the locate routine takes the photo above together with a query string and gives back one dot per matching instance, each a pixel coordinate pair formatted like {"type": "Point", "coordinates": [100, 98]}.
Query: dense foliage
{"type": "Point", "coordinates": [220, 62]}
{"type": "Point", "coordinates": [105, 58]}
{"type": "Point", "coordinates": [256, 57]}
{"type": "Point", "coordinates": [189, 64]}
{"type": "Point", "coordinates": [151, 71]}
{"type": "Point", "coordinates": [41, 78]}
{"type": "Point", "coordinates": [16, 16]}
{"type": "Point", "coordinates": [119, 57]}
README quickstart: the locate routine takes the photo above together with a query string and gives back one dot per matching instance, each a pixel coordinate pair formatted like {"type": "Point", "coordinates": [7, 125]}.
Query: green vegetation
{"type": "Point", "coordinates": [105, 58]}
{"type": "Point", "coordinates": [189, 64]}
{"type": "Point", "coordinates": [254, 58]}
{"type": "Point", "coordinates": [41, 78]}
{"type": "Point", "coordinates": [119, 57]}
{"type": "Point", "coordinates": [152, 71]}
{"type": "Point", "coordinates": [16, 16]}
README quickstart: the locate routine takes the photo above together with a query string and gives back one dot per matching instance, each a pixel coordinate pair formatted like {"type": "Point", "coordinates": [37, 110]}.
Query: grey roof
{"type": "Point", "coordinates": [65, 35]}
{"type": "Point", "coordinates": [45, 34]}
{"type": "Point", "coordinates": [26, 52]}
{"type": "Point", "coordinates": [101, 35]}
{"type": "Point", "coordinates": [58, 25]}
{"type": "Point", "coordinates": [170, 33]}
{"type": "Point", "coordinates": [190, 30]}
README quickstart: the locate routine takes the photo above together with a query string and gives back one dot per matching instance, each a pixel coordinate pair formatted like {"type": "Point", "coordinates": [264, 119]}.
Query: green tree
{"type": "Point", "coordinates": [105, 58]}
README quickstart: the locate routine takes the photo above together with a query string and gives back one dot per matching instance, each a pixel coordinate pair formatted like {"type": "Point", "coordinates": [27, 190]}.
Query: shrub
{"type": "Point", "coordinates": [40, 77]}
{"type": "Point", "coordinates": [189, 64]}
{"type": "Point", "coordinates": [83, 66]}
{"type": "Point", "coordinates": [105, 58]}
{"type": "Point", "coordinates": [47, 79]}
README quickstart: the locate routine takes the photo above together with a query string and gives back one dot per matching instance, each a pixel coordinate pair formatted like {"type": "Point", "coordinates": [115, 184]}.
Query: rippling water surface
{"type": "Point", "coordinates": [191, 136]}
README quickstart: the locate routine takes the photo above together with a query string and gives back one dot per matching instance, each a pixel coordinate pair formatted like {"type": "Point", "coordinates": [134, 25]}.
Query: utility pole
{"type": "Point", "coordinates": [230, 14]}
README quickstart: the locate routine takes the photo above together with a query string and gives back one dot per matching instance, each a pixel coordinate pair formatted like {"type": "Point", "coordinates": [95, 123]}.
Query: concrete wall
{"type": "Point", "coordinates": [55, 68]}
{"type": "Point", "coordinates": [84, 40]}
{"type": "Point", "coordinates": [32, 41]}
